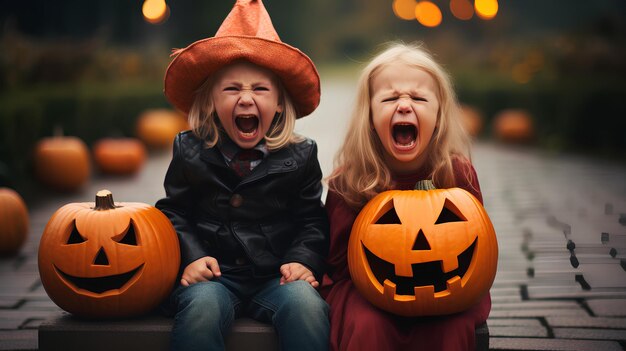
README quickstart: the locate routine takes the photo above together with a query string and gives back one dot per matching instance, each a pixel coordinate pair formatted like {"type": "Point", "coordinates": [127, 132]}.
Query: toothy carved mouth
{"type": "Point", "coordinates": [424, 274]}
{"type": "Point", "coordinates": [99, 285]}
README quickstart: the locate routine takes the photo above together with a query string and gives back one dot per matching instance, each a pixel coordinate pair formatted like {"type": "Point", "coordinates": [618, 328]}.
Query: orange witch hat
{"type": "Point", "coordinates": [247, 34]}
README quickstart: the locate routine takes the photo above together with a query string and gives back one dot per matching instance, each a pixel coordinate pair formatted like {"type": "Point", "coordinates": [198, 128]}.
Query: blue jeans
{"type": "Point", "coordinates": [206, 310]}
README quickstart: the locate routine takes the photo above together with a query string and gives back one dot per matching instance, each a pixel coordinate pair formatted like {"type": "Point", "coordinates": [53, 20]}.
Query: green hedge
{"type": "Point", "coordinates": [88, 111]}
{"type": "Point", "coordinates": [581, 114]}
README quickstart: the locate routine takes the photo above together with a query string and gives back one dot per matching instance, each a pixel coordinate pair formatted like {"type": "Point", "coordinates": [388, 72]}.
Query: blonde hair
{"type": "Point", "coordinates": [204, 121]}
{"type": "Point", "coordinates": [360, 170]}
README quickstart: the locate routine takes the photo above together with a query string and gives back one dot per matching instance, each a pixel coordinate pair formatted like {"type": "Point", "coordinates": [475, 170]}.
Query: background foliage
{"type": "Point", "coordinates": [91, 67]}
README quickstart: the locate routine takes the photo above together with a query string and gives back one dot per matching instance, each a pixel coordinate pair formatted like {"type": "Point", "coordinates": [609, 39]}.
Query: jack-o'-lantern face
{"type": "Point", "coordinates": [123, 244]}
{"type": "Point", "coordinates": [107, 260]}
{"type": "Point", "coordinates": [423, 252]}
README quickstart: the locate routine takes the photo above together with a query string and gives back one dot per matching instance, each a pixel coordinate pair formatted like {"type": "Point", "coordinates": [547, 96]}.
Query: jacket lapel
{"type": "Point", "coordinates": [280, 161]}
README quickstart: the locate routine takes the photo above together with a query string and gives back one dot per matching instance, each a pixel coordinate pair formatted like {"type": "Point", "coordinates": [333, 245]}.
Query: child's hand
{"type": "Point", "coordinates": [200, 270]}
{"type": "Point", "coordinates": [295, 271]}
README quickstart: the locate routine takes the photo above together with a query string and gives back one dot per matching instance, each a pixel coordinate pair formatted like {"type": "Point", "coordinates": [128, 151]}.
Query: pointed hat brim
{"type": "Point", "coordinates": [200, 60]}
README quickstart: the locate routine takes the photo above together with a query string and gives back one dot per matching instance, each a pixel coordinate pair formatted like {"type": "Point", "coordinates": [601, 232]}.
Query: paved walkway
{"type": "Point", "coordinates": [561, 225]}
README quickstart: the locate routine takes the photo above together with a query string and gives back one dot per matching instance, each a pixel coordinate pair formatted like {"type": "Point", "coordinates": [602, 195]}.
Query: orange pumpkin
{"type": "Point", "coordinates": [62, 162]}
{"type": "Point", "coordinates": [514, 126]}
{"type": "Point", "coordinates": [472, 120]}
{"type": "Point", "coordinates": [121, 156]}
{"type": "Point", "coordinates": [158, 127]}
{"type": "Point", "coordinates": [423, 252]}
{"type": "Point", "coordinates": [107, 259]}
{"type": "Point", "coordinates": [13, 221]}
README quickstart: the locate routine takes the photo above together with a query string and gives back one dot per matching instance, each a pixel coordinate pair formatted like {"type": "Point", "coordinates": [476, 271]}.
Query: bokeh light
{"type": "Point", "coordinates": [155, 11]}
{"type": "Point", "coordinates": [404, 9]}
{"type": "Point", "coordinates": [428, 14]}
{"type": "Point", "coordinates": [462, 9]}
{"type": "Point", "coordinates": [486, 9]}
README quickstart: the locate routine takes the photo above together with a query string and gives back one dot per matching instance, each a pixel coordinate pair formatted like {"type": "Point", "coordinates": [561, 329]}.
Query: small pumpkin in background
{"type": "Point", "coordinates": [120, 156]}
{"type": "Point", "coordinates": [13, 221]}
{"type": "Point", "coordinates": [513, 126]}
{"type": "Point", "coordinates": [158, 127]}
{"type": "Point", "coordinates": [62, 162]}
{"type": "Point", "coordinates": [423, 252]}
{"type": "Point", "coordinates": [108, 260]}
{"type": "Point", "coordinates": [472, 119]}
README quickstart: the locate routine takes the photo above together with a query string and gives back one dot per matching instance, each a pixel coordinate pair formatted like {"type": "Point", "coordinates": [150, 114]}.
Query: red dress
{"type": "Point", "coordinates": [358, 325]}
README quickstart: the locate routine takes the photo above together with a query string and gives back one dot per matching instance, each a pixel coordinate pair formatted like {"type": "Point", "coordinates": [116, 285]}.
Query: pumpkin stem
{"type": "Point", "coordinates": [104, 201]}
{"type": "Point", "coordinates": [425, 184]}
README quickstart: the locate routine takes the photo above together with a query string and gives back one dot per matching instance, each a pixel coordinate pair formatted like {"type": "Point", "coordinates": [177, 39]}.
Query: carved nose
{"type": "Point", "coordinates": [101, 258]}
{"type": "Point", "coordinates": [420, 242]}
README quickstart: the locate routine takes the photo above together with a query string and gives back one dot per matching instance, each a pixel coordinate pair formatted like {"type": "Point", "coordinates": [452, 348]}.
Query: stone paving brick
{"type": "Point", "coordinates": [570, 292]}
{"type": "Point", "coordinates": [533, 312]}
{"type": "Point", "coordinates": [520, 332]}
{"type": "Point", "coordinates": [525, 305]}
{"type": "Point", "coordinates": [497, 343]}
{"type": "Point", "coordinates": [587, 322]}
{"type": "Point", "coordinates": [22, 340]}
{"type": "Point", "coordinates": [513, 322]}
{"type": "Point", "coordinates": [604, 275]}
{"type": "Point", "coordinates": [7, 302]}
{"type": "Point", "coordinates": [585, 333]}
{"type": "Point", "coordinates": [608, 307]}
{"type": "Point", "coordinates": [10, 323]}
{"type": "Point", "coordinates": [42, 305]}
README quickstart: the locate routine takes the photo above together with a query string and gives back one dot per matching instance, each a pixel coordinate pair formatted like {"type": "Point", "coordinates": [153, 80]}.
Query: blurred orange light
{"type": "Point", "coordinates": [404, 9]}
{"type": "Point", "coordinates": [428, 14]}
{"type": "Point", "coordinates": [155, 11]}
{"type": "Point", "coordinates": [462, 9]}
{"type": "Point", "coordinates": [486, 9]}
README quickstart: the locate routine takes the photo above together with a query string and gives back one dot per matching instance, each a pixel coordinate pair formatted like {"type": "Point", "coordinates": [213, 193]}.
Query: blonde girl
{"type": "Point", "coordinates": [405, 127]}
{"type": "Point", "coordinates": [361, 158]}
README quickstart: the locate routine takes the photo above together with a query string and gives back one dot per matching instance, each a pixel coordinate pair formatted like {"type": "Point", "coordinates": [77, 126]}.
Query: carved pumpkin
{"type": "Point", "coordinates": [13, 221]}
{"type": "Point", "coordinates": [62, 162]}
{"type": "Point", "coordinates": [121, 156]}
{"type": "Point", "coordinates": [158, 127]}
{"type": "Point", "coordinates": [514, 126]}
{"type": "Point", "coordinates": [423, 252]}
{"type": "Point", "coordinates": [108, 260]}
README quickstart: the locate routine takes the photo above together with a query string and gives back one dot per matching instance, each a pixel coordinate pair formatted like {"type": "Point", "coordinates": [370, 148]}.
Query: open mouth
{"type": "Point", "coordinates": [247, 125]}
{"type": "Point", "coordinates": [424, 274]}
{"type": "Point", "coordinates": [404, 135]}
{"type": "Point", "coordinates": [99, 285]}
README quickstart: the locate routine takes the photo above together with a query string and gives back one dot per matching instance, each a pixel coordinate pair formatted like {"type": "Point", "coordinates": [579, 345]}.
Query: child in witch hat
{"type": "Point", "coordinates": [242, 190]}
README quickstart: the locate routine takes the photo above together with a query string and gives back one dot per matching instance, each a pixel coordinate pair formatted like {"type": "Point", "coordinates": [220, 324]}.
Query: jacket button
{"type": "Point", "coordinates": [236, 200]}
{"type": "Point", "coordinates": [288, 163]}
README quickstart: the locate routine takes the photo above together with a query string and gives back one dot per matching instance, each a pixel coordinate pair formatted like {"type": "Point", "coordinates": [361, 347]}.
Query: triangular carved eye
{"type": "Point", "coordinates": [128, 238]}
{"type": "Point", "coordinates": [390, 217]}
{"type": "Point", "coordinates": [75, 237]}
{"type": "Point", "coordinates": [450, 213]}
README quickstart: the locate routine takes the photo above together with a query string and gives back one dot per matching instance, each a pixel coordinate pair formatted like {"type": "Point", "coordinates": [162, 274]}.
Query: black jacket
{"type": "Point", "coordinates": [271, 217]}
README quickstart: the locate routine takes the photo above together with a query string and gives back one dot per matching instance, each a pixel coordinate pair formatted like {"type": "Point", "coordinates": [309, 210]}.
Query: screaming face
{"type": "Point", "coordinates": [246, 99]}
{"type": "Point", "coordinates": [404, 107]}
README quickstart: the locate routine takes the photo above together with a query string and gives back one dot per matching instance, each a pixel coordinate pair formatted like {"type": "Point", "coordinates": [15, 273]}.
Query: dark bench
{"type": "Point", "coordinates": [153, 333]}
